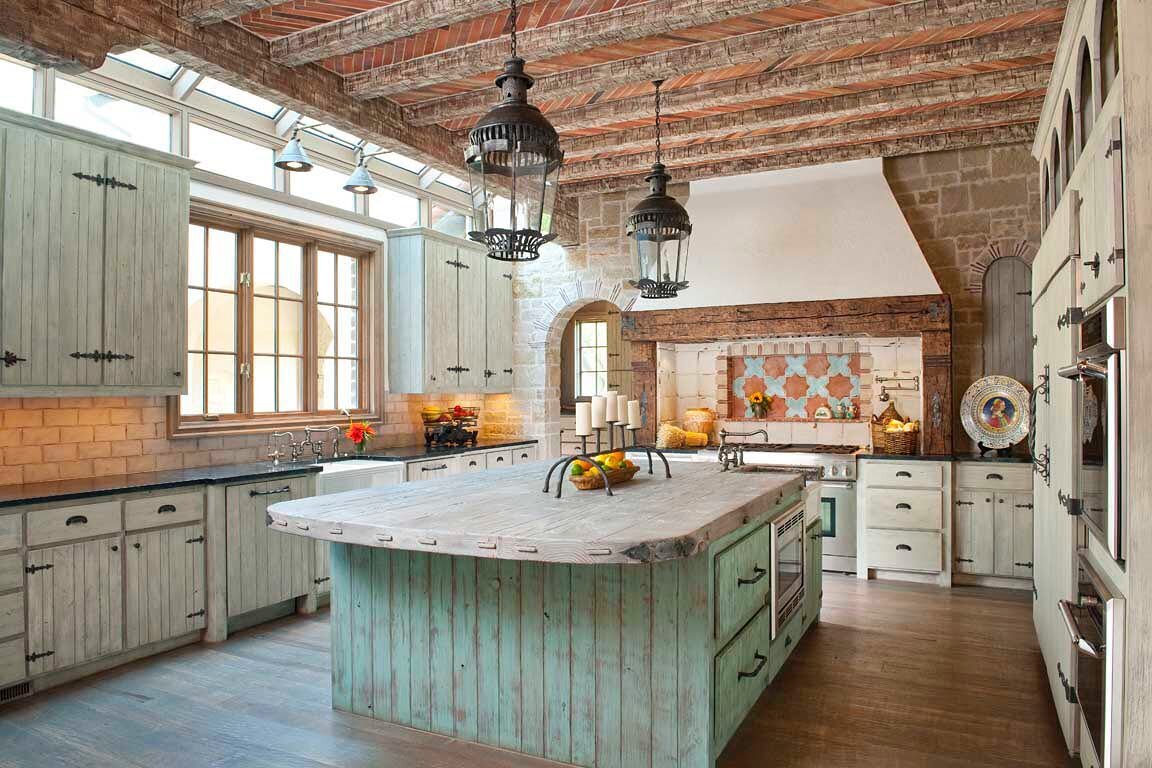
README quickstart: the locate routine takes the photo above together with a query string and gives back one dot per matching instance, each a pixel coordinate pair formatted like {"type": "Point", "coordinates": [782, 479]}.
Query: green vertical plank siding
{"type": "Point", "coordinates": [532, 657]}
{"type": "Point", "coordinates": [419, 632]}
{"type": "Point", "coordinates": [511, 709]}
{"type": "Point", "coordinates": [636, 665]}
{"type": "Point", "coordinates": [400, 632]}
{"type": "Point", "coordinates": [440, 644]}
{"type": "Point", "coordinates": [382, 634]}
{"type": "Point", "coordinates": [464, 656]}
{"type": "Point", "coordinates": [584, 705]}
{"type": "Point", "coordinates": [341, 625]}
{"type": "Point", "coordinates": [363, 677]}
{"type": "Point", "coordinates": [557, 662]}
{"type": "Point", "coordinates": [608, 688]}
{"type": "Point", "coordinates": [665, 660]}
{"type": "Point", "coordinates": [695, 667]}
{"type": "Point", "coordinates": [488, 651]}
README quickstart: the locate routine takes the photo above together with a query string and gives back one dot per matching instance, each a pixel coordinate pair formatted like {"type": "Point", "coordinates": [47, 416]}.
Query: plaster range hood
{"type": "Point", "coordinates": [806, 234]}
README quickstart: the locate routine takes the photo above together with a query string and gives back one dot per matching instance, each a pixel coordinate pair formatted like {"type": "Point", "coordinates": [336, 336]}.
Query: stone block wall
{"type": "Point", "coordinates": [967, 208]}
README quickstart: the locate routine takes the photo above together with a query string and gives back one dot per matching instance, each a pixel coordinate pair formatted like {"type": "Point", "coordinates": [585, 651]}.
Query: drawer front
{"type": "Point", "coordinates": [890, 508]}
{"type": "Point", "coordinates": [473, 462]}
{"type": "Point", "coordinates": [786, 641]}
{"type": "Point", "coordinates": [742, 673]}
{"type": "Point", "coordinates": [432, 469]}
{"type": "Point", "coordinates": [499, 459]}
{"type": "Point", "coordinates": [12, 661]}
{"type": "Point", "coordinates": [905, 550]}
{"type": "Point", "coordinates": [11, 572]}
{"type": "Point", "coordinates": [168, 509]}
{"type": "Point", "coordinates": [48, 526]}
{"type": "Point", "coordinates": [12, 614]}
{"type": "Point", "coordinates": [910, 474]}
{"type": "Point", "coordinates": [743, 581]}
{"type": "Point", "coordinates": [11, 531]}
{"type": "Point", "coordinates": [523, 454]}
{"type": "Point", "coordinates": [1009, 477]}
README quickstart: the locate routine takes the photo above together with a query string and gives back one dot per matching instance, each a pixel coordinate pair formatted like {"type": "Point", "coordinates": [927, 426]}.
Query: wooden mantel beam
{"type": "Point", "coordinates": [990, 86]}
{"type": "Point", "coordinates": [213, 11]}
{"type": "Point", "coordinates": [1009, 112]}
{"type": "Point", "coordinates": [816, 155]}
{"type": "Point", "coordinates": [1005, 50]}
{"type": "Point", "coordinates": [610, 27]}
{"type": "Point", "coordinates": [889, 23]}
{"type": "Point", "coordinates": [376, 27]}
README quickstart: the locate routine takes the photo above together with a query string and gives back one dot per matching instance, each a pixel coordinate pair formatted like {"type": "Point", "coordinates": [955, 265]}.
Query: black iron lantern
{"type": "Point", "coordinates": [659, 230]}
{"type": "Point", "coordinates": [514, 160]}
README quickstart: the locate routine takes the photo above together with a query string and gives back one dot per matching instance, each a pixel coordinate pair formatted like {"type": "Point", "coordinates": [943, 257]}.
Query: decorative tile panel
{"type": "Point", "coordinates": [799, 383]}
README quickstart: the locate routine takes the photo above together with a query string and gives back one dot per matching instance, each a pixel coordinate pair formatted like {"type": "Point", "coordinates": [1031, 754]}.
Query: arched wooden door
{"type": "Point", "coordinates": [1008, 320]}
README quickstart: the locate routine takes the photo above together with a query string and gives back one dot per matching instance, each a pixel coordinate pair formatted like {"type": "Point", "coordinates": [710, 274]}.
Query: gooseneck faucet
{"type": "Point", "coordinates": [731, 455]}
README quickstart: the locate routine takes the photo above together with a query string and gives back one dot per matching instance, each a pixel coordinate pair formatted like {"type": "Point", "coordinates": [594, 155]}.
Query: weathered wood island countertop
{"type": "Point", "coordinates": [505, 514]}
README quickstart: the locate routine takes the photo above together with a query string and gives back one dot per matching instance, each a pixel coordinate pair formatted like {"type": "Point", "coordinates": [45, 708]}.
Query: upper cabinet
{"type": "Point", "coordinates": [93, 243]}
{"type": "Point", "coordinates": [449, 316]}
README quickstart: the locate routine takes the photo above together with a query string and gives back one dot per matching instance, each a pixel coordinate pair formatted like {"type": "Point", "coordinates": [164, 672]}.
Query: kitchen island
{"type": "Point", "coordinates": [629, 630]}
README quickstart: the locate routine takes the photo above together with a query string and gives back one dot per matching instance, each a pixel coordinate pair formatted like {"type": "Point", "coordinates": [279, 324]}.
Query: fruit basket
{"type": "Point", "coordinates": [458, 425]}
{"type": "Point", "coordinates": [589, 476]}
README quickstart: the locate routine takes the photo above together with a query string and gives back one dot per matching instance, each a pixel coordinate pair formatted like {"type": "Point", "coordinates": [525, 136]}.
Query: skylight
{"type": "Point", "coordinates": [149, 62]}
{"type": "Point", "coordinates": [240, 98]}
{"type": "Point", "coordinates": [451, 181]}
{"type": "Point", "coordinates": [325, 131]}
{"type": "Point", "coordinates": [402, 161]}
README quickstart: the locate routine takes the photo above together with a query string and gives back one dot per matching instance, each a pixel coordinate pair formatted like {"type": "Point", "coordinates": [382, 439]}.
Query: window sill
{"type": "Point", "coordinates": [184, 430]}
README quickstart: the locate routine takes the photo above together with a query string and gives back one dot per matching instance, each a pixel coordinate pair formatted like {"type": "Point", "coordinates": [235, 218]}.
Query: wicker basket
{"type": "Point", "coordinates": [669, 436]}
{"type": "Point", "coordinates": [902, 443]}
{"type": "Point", "coordinates": [592, 480]}
{"type": "Point", "coordinates": [879, 436]}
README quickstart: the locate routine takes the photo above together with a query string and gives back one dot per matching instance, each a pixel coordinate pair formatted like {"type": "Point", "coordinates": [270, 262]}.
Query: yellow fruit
{"type": "Point", "coordinates": [582, 464]}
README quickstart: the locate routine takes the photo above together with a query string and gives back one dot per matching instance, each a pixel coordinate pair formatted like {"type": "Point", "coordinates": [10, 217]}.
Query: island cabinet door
{"type": "Point", "coordinates": [265, 566]}
{"type": "Point", "coordinates": [75, 604]}
{"type": "Point", "coordinates": [813, 573]}
{"type": "Point", "coordinates": [975, 535]}
{"type": "Point", "coordinates": [163, 584]}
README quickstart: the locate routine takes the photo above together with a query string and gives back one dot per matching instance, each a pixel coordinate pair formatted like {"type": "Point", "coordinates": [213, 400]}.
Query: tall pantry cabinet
{"type": "Point", "coordinates": [93, 263]}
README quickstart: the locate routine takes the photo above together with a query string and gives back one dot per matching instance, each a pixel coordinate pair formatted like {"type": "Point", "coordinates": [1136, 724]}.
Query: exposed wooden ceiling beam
{"type": "Point", "coordinates": [376, 27]}
{"type": "Point", "coordinates": [817, 155]}
{"type": "Point", "coordinates": [941, 93]}
{"type": "Point", "coordinates": [615, 26]}
{"type": "Point", "coordinates": [870, 130]}
{"type": "Point", "coordinates": [1026, 46]}
{"type": "Point", "coordinates": [213, 11]}
{"type": "Point", "coordinates": [837, 32]}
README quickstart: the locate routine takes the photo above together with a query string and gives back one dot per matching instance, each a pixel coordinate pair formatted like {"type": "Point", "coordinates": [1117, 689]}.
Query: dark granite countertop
{"type": "Point", "coordinates": [65, 490]}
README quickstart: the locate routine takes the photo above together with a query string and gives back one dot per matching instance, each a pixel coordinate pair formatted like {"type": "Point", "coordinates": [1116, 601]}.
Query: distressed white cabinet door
{"type": "Point", "coordinates": [472, 332]}
{"type": "Point", "coordinates": [974, 548]}
{"type": "Point", "coordinates": [1103, 257]}
{"type": "Point", "coordinates": [75, 604]}
{"type": "Point", "coordinates": [146, 273]}
{"type": "Point", "coordinates": [51, 247]}
{"type": "Point", "coordinates": [498, 309]}
{"type": "Point", "coordinates": [441, 317]}
{"type": "Point", "coordinates": [265, 566]}
{"type": "Point", "coordinates": [164, 584]}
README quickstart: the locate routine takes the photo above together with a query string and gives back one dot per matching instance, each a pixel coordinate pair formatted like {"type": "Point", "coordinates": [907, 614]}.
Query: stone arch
{"type": "Point", "coordinates": [1004, 249]}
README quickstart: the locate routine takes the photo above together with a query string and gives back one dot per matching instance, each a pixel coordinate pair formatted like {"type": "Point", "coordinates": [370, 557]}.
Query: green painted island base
{"type": "Point", "coordinates": [595, 665]}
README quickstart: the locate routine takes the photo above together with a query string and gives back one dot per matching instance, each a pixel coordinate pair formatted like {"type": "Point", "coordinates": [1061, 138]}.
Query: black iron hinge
{"type": "Point", "coordinates": [508, 371]}
{"type": "Point", "coordinates": [965, 560]}
{"type": "Point", "coordinates": [321, 580]}
{"type": "Point", "coordinates": [507, 275]}
{"type": "Point", "coordinates": [197, 540]}
{"type": "Point", "coordinates": [457, 264]}
{"type": "Point", "coordinates": [10, 359]}
{"type": "Point", "coordinates": [489, 374]}
{"type": "Point", "coordinates": [1023, 506]}
{"type": "Point", "coordinates": [1071, 316]}
{"type": "Point", "coordinates": [1074, 505]}
{"type": "Point", "coordinates": [35, 568]}
{"type": "Point", "coordinates": [38, 655]}
{"type": "Point", "coordinates": [1023, 565]}
{"type": "Point", "coordinates": [458, 369]}
{"type": "Point", "coordinates": [965, 503]}
{"type": "Point", "coordinates": [1069, 690]}
{"type": "Point", "coordinates": [1115, 145]}
{"type": "Point", "coordinates": [1035, 593]}
{"type": "Point", "coordinates": [194, 614]}
{"type": "Point", "coordinates": [97, 356]}
{"type": "Point", "coordinates": [104, 181]}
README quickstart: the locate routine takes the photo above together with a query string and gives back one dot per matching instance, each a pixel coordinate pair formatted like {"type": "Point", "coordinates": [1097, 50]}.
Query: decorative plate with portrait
{"type": "Point", "coordinates": [994, 412]}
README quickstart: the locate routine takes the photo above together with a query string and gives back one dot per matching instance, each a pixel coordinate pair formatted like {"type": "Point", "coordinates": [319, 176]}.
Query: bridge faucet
{"type": "Point", "coordinates": [731, 455]}
{"type": "Point", "coordinates": [274, 446]}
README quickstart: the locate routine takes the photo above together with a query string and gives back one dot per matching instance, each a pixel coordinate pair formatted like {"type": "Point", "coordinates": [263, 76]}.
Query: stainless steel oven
{"type": "Point", "coordinates": [838, 518]}
{"type": "Point", "coordinates": [1100, 373]}
{"type": "Point", "coordinates": [788, 566]}
{"type": "Point", "coordinates": [1095, 623]}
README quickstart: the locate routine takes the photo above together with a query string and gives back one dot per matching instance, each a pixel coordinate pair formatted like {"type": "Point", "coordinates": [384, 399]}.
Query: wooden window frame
{"type": "Point", "coordinates": [577, 348]}
{"type": "Point", "coordinates": [245, 421]}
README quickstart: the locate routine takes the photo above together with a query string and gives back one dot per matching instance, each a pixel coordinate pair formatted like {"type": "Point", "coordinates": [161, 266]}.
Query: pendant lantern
{"type": "Point", "coordinates": [659, 230]}
{"type": "Point", "coordinates": [513, 160]}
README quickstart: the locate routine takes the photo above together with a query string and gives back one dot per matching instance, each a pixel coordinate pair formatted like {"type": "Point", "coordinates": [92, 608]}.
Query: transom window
{"type": "Point", "coordinates": [591, 358]}
{"type": "Point", "coordinates": [274, 327]}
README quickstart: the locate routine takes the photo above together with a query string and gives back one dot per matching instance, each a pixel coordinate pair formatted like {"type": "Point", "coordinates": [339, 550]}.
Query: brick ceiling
{"type": "Point", "coordinates": [750, 84]}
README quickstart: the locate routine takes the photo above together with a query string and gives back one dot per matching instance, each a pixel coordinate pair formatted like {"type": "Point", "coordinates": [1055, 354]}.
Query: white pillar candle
{"type": "Point", "coordinates": [634, 414]}
{"type": "Point", "coordinates": [583, 419]}
{"type": "Point", "coordinates": [610, 406]}
{"type": "Point", "coordinates": [598, 406]}
{"type": "Point", "coordinates": [621, 409]}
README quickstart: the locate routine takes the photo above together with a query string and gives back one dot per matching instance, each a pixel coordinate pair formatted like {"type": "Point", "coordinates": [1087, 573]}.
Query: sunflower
{"type": "Point", "coordinates": [756, 398]}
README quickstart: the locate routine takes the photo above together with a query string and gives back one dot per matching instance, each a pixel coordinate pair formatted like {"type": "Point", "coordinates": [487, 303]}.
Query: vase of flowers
{"type": "Point", "coordinates": [760, 403]}
{"type": "Point", "coordinates": [359, 433]}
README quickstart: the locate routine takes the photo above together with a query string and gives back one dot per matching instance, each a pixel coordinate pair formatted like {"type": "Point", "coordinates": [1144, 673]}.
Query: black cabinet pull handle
{"type": "Point", "coordinates": [38, 655]}
{"type": "Point", "coordinates": [903, 548]}
{"type": "Point", "coordinates": [76, 520]}
{"type": "Point", "coordinates": [499, 459]}
{"type": "Point", "coordinates": [902, 473]}
{"type": "Point", "coordinates": [115, 548]}
{"type": "Point", "coordinates": [194, 614]}
{"type": "Point", "coordinates": [758, 573]}
{"type": "Point", "coordinates": [1023, 565]}
{"type": "Point", "coordinates": [433, 469]}
{"type": "Point", "coordinates": [136, 545]}
{"type": "Point", "coordinates": [275, 492]}
{"type": "Point", "coordinates": [994, 476]}
{"type": "Point", "coordinates": [761, 660]}
{"type": "Point", "coordinates": [508, 371]}
{"type": "Point", "coordinates": [166, 509]}
{"type": "Point", "coordinates": [903, 505]}
{"type": "Point", "coordinates": [472, 463]}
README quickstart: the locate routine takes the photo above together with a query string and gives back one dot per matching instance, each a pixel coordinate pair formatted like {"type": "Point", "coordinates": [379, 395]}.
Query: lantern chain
{"type": "Point", "coordinates": [657, 83]}
{"type": "Point", "coordinates": [512, 20]}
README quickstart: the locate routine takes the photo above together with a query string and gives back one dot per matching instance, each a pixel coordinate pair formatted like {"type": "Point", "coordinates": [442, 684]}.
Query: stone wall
{"type": "Point", "coordinates": [967, 208]}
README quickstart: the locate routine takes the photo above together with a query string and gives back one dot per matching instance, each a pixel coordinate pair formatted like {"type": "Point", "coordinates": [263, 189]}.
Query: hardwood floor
{"type": "Point", "coordinates": [894, 676]}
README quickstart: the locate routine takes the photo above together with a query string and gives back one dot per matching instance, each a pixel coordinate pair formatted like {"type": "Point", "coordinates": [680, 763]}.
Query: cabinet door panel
{"type": "Point", "coordinates": [498, 309]}
{"type": "Point", "coordinates": [1104, 259]}
{"type": "Point", "coordinates": [473, 335]}
{"type": "Point", "coordinates": [974, 532]}
{"type": "Point", "coordinates": [145, 279]}
{"type": "Point", "coordinates": [164, 584]}
{"type": "Point", "coordinates": [75, 604]}
{"type": "Point", "coordinates": [53, 250]}
{"type": "Point", "coordinates": [442, 317]}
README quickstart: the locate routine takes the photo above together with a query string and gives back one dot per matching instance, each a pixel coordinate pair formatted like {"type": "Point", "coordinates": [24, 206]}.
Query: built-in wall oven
{"type": "Point", "coordinates": [1100, 373]}
{"type": "Point", "coordinates": [1095, 623]}
{"type": "Point", "coordinates": [788, 566]}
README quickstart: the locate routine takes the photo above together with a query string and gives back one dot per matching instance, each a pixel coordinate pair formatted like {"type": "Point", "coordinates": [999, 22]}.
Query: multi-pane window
{"type": "Point", "coordinates": [229, 155]}
{"type": "Point", "coordinates": [18, 89]}
{"type": "Point", "coordinates": [103, 113]}
{"type": "Point", "coordinates": [446, 220]}
{"type": "Point", "coordinates": [274, 326]}
{"type": "Point", "coordinates": [591, 358]}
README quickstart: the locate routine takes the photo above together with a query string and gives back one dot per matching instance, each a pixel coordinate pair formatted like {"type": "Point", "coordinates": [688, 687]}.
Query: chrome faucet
{"type": "Point", "coordinates": [731, 455]}
{"type": "Point", "coordinates": [274, 446]}
{"type": "Point", "coordinates": [335, 439]}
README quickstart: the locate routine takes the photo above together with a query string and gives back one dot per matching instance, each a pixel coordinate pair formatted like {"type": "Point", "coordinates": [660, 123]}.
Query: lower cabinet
{"type": "Point", "coordinates": [904, 513]}
{"type": "Point", "coordinates": [524, 454]}
{"type": "Point", "coordinates": [814, 572]}
{"type": "Point", "coordinates": [12, 662]}
{"type": "Point", "coordinates": [265, 566]}
{"type": "Point", "coordinates": [743, 670]}
{"type": "Point", "coordinates": [75, 603]}
{"type": "Point", "coordinates": [163, 584]}
{"type": "Point", "coordinates": [432, 469]}
{"type": "Point", "coordinates": [993, 521]}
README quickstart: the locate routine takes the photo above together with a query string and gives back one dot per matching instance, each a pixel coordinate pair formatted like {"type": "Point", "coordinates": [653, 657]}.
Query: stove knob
{"type": "Point", "coordinates": [834, 470]}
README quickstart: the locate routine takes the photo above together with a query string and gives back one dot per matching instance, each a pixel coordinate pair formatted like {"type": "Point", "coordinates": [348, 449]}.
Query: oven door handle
{"type": "Point", "coordinates": [1084, 369]}
{"type": "Point", "coordinates": [1083, 644]}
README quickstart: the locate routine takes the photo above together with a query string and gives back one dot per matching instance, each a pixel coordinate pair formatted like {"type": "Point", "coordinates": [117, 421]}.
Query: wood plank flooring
{"type": "Point", "coordinates": [895, 676]}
